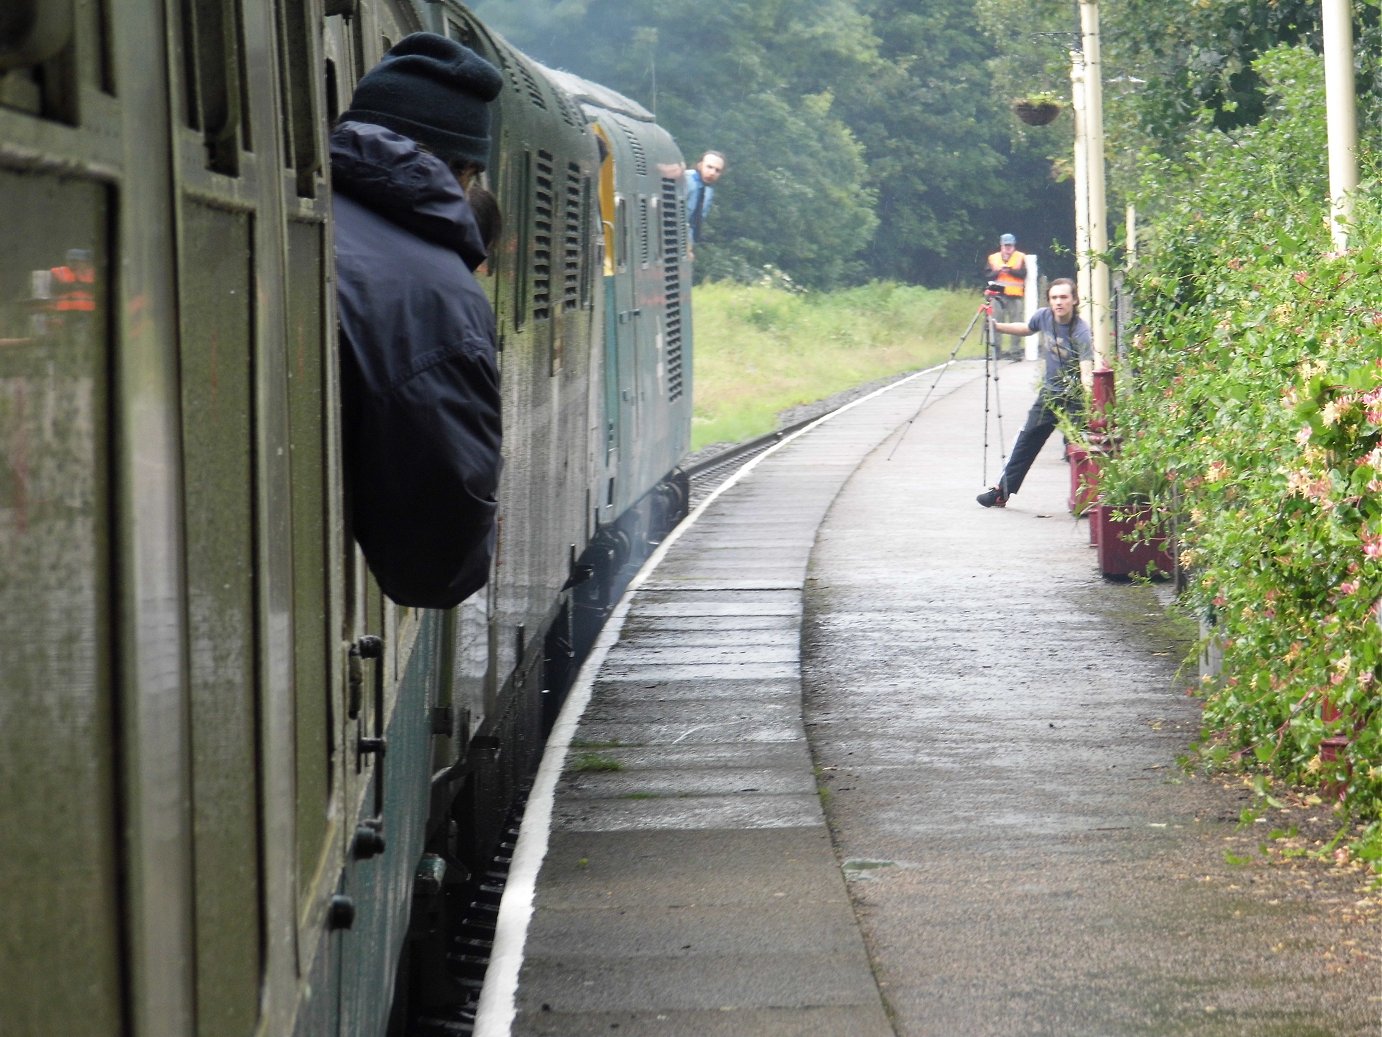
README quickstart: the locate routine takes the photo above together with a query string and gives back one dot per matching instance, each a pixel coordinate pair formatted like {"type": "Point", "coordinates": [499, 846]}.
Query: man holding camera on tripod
{"type": "Point", "coordinates": [1007, 288]}
{"type": "Point", "coordinates": [1067, 347]}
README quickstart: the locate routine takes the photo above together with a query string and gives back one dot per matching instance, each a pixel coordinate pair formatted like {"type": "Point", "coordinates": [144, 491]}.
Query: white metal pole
{"type": "Point", "coordinates": [1098, 313]}
{"type": "Point", "coordinates": [1077, 105]}
{"type": "Point", "coordinates": [1130, 233]}
{"type": "Point", "coordinates": [1341, 116]}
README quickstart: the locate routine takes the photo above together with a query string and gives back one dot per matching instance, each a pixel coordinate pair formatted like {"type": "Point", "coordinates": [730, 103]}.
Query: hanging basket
{"type": "Point", "coordinates": [1036, 113]}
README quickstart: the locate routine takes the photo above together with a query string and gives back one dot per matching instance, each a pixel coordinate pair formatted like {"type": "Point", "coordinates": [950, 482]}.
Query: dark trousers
{"type": "Point", "coordinates": [1036, 430]}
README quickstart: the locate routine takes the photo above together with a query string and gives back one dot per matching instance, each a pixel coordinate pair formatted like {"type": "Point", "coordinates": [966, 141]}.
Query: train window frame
{"type": "Point", "coordinates": [621, 237]}
{"type": "Point", "coordinates": [298, 97]}
{"type": "Point", "coordinates": [213, 81]}
{"type": "Point", "coordinates": [588, 257]}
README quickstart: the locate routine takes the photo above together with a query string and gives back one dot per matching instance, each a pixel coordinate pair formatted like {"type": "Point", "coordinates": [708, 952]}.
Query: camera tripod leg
{"type": "Point", "coordinates": [991, 359]}
{"type": "Point", "coordinates": [982, 311]}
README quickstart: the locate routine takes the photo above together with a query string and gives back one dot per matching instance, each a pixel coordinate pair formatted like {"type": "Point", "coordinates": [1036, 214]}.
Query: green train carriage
{"type": "Point", "coordinates": [226, 756]}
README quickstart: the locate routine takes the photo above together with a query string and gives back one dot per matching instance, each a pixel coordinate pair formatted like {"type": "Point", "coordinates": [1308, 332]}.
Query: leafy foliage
{"type": "Point", "coordinates": [1256, 388]}
{"type": "Point", "coordinates": [864, 138]}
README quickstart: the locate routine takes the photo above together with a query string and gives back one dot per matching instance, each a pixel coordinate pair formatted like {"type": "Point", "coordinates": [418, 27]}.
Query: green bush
{"type": "Point", "coordinates": [1254, 385]}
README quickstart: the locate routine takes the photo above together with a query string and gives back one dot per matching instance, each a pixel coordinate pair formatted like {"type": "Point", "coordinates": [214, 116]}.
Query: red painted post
{"type": "Point", "coordinates": [1333, 748]}
{"type": "Point", "coordinates": [1101, 413]}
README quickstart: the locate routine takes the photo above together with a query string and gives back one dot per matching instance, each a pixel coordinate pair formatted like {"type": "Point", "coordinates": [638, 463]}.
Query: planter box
{"type": "Point", "coordinates": [1121, 554]}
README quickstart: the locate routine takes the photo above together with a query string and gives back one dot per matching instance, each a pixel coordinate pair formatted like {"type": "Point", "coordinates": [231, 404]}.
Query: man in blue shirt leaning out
{"type": "Point", "coordinates": [700, 190]}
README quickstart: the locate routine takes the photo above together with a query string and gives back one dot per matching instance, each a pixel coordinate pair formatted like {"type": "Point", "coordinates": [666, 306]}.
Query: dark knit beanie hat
{"type": "Point", "coordinates": [434, 90]}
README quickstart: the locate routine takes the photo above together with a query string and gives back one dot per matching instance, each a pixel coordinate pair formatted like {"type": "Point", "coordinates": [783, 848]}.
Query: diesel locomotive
{"type": "Point", "coordinates": [242, 790]}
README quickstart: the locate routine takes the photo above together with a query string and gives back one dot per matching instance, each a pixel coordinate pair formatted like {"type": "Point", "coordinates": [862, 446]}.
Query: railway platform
{"type": "Point", "coordinates": [856, 757]}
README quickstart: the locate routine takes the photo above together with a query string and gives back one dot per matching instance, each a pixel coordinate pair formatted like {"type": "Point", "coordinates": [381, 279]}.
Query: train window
{"type": "Point", "coordinates": [62, 904]}
{"type": "Point", "coordinates": [607, 205]}
{"type": "Point", "coordinates": [333, 97]}
{"type": "Point", "coordinates": [213, 80]}
{"type": "Point", "coordinates": [32, 31]}
{"type": "Point", "coordinates": [300, 140]}
{"type": "Point", "coordinates": [621, 245]}
{"type": "Point", "coordinates": [43, 50]}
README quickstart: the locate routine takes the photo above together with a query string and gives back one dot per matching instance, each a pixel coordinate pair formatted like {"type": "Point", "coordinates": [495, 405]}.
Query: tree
{"type": "Point", "coordinates": [750, 78]}
{"type": "Point", "coordinates": [952, 167]}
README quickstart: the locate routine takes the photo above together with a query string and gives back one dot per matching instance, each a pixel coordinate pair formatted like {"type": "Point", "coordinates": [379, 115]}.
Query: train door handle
{"type": "Point", "coordinates": [371, 646]}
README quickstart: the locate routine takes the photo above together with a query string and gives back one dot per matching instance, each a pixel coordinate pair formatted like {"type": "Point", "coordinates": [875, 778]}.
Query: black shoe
{"type": "Point", "coordinates": [993, 497]}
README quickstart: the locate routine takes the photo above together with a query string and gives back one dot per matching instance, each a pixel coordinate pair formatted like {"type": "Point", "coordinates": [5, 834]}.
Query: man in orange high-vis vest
{"type": "Point", "coordinates": [73, 288]}
{"type": "Point", "coordinates": [1007, 279]}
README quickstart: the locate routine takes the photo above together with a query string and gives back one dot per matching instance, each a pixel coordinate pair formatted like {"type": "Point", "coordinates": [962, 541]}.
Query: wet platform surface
{"type": "Point", "coordinates": [990, 727]}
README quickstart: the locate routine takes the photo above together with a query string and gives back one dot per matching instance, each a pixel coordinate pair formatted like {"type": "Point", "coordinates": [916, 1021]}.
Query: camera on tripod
{"type": "Point", "coordinates": [993, 288]}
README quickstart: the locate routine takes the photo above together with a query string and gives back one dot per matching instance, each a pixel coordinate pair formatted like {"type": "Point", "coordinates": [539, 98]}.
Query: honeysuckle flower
{"type": "Point", "coordinates": [1372, 544]}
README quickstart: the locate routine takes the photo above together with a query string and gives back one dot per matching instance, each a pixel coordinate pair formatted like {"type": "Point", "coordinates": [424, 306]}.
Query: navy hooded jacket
{"type": "Point", "coordinates": [419, 380]}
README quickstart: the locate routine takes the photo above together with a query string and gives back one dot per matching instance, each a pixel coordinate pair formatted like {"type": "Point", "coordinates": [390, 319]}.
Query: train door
{"type": "Point", "coordinates": [618, 297]}
{"type": "Point", "coordinates": [63, 185]}
{"type": "Point", "coordinates": [163, 387]}
{"type": "Point", "coordinates": [262, 556]}
{"type": "Point", "coordinates": [622, 318]}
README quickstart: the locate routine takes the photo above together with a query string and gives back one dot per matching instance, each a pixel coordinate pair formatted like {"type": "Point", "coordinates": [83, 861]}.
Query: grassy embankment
{"type": "Point", "coordinates": [761, 350]}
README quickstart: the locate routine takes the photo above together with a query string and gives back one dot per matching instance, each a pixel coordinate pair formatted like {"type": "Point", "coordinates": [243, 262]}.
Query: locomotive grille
{"type": "Point", "coordinates": [640, 157]}
{"type": "Point", "coordinates": [569, 111]}
{"type": "Point", "coordinates": [522, 79]}
{"type": "Point", "coordinates": [671, 284]}
{"type": "Point", "coordinates": [644, 233]}
{"type": "Point", "coordinates": [571, 240]}
{"type": "Point", "coordinates": [544, 223]}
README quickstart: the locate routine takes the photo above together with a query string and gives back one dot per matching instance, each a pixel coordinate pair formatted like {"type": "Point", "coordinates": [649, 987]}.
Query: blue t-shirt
{"type": "Point", "coordinates": [1063, 346]}
{"type": "Point", "coordinates": [699, 195]}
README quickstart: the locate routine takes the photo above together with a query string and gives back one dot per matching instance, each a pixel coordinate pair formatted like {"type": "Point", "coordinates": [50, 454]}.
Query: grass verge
{"type": "Point", "coordinates": [761, 350]}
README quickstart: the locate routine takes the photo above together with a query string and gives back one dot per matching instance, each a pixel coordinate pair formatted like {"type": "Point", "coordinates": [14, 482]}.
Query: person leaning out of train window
{"type": "Point", "coordinates": [1067, 346]}
{"type": "Point", "coordinates": [489, 218]}
{"type": "Point", "coordinates": [700, 182]}
{"type": "Point", "coordinates": [419, 378]}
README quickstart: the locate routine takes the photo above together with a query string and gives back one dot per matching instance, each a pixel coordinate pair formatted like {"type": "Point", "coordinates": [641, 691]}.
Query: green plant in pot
{"type": "Point", "coordinates": [1038, 109]}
